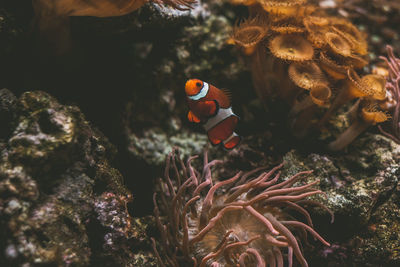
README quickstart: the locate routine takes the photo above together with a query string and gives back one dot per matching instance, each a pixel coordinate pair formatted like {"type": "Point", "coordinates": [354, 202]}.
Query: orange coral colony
{"type": "Point", "coordinates": [320, 53]}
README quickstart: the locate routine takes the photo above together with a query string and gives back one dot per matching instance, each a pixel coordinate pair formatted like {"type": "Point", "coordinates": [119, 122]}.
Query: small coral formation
{"type": "Point", "coordinates": [308, 58]}
{"type": "Point", "coordinates": [392, 101]}
{"type": "Point", "coordinates": [239, 221]}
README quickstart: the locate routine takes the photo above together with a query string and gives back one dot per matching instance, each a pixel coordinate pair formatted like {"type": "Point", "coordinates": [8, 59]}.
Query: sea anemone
{"type": "Point", "coordinates": [392, 101]}
{"type": "Point", "coordinates": [241, 221]}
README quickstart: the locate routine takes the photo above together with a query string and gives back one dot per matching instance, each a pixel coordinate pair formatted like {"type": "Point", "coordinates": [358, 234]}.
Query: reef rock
{"type": "Point", "coordinates": [361, 187]}
{"type": "Point", "coordinates": [61, 201]}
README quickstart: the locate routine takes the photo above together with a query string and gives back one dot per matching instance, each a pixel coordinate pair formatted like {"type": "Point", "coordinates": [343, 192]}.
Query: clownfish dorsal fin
{"type": "Point", "coordinates": [228, 93]}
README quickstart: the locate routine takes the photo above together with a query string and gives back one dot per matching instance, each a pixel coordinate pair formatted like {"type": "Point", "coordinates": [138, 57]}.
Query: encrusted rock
{"type": "Point", "coordinates": [361, 189]}
{"type": "Point", "coordinates": [61, 202]}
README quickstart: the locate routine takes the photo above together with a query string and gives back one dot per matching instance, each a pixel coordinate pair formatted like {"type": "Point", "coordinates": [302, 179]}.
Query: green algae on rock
{"type": "Point", "coordinates": [61, 202]}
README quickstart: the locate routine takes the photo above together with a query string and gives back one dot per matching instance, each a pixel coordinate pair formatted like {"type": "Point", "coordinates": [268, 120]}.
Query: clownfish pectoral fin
{"type": "Point", "coordinates": [212, 107]}
{"type": "Point", "coordinates": [208, 108]}
{"type": "Point", "coordinates": [192, 117]}
{"type": "Point", "coordinates": [232, 141]}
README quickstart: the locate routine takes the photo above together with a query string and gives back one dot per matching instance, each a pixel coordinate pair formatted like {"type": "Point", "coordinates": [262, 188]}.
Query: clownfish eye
{"type": "Point", "coordinates": [198, 84]}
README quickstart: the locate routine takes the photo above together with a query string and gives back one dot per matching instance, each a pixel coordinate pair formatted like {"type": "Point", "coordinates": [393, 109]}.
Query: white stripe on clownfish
{"type": "Point", "coordinates": [223, 113]}
{"type": "Point", "coordinates": [230, 138]}
{"type": "Point", "coordinates": [203, 92]}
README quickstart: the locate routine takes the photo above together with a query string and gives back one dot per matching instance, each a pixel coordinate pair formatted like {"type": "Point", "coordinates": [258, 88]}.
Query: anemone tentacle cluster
{"type": "Point", "coordinates": [241, 221]}
{"type": "Point", "coordinates": [310, 60]}
{"type": "Point", "coordinates": [392, 100]}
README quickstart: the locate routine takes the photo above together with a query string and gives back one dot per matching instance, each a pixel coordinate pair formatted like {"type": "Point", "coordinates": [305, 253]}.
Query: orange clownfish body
{"type": "Point", "coordinates": [212, 107]}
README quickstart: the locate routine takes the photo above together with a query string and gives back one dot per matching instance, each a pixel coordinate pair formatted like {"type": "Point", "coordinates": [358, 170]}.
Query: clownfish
{"type": "Point", "coordinates": [212, 107]}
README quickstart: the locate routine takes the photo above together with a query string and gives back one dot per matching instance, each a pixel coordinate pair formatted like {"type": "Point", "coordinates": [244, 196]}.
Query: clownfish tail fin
{"type": "Point", "coordinates": [232, 141]}
{"type": "Point", "coordinates": [214, 141]}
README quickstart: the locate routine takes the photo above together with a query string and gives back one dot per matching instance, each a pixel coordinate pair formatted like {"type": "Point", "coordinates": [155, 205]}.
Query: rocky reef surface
{"type": "Point", "coordinates": [79, 159]}
{"type": "Point", "coordinates": [62, 202]}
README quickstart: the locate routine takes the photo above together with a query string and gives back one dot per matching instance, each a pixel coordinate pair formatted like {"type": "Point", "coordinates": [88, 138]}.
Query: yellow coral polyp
{"type": "Point", "coordinates": [338, 44]}
{"type": "Point", "coordinates": [285, 10]}
{"type": "Point", "coordinates": [243, 2]}
{"type": "Point", "coordinates": [315, 33]}
{"type": "Point", "coordinates": [291, 47]}
{"type": "Point", "coordinates": [369, 115]}
{"type": "Point", "coordinates": [316, 20]}
{"type": "Point", "coordinates": [376, 84]}
{"type": "Point", "coordinates": [320, 94]}
{"type": "Point", "coordinates": [306, 75]}
{"type": "Point", "coordinates": [292, 10]}
{"type": "Point", "coordinates": [355, 87]}
{"type": "Point", "coordinates": [248, 38]}
{"type": "Point", "coordinates": [248, 34]}
{"type": "Point", "coordinates": [356, 61]}
{"type": "Point", "coordinates": [371, 85]}
{"type": "Point", "coordinates": [334, 68]}
{"type": "Point", "coordinates": [351, 33]}
{"type": "Point", "coordinates": [287, 29]}
{"type": "Point", "coordinates": [373, 116]}
{"type": "Point", "coordinates": [281, 3]}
